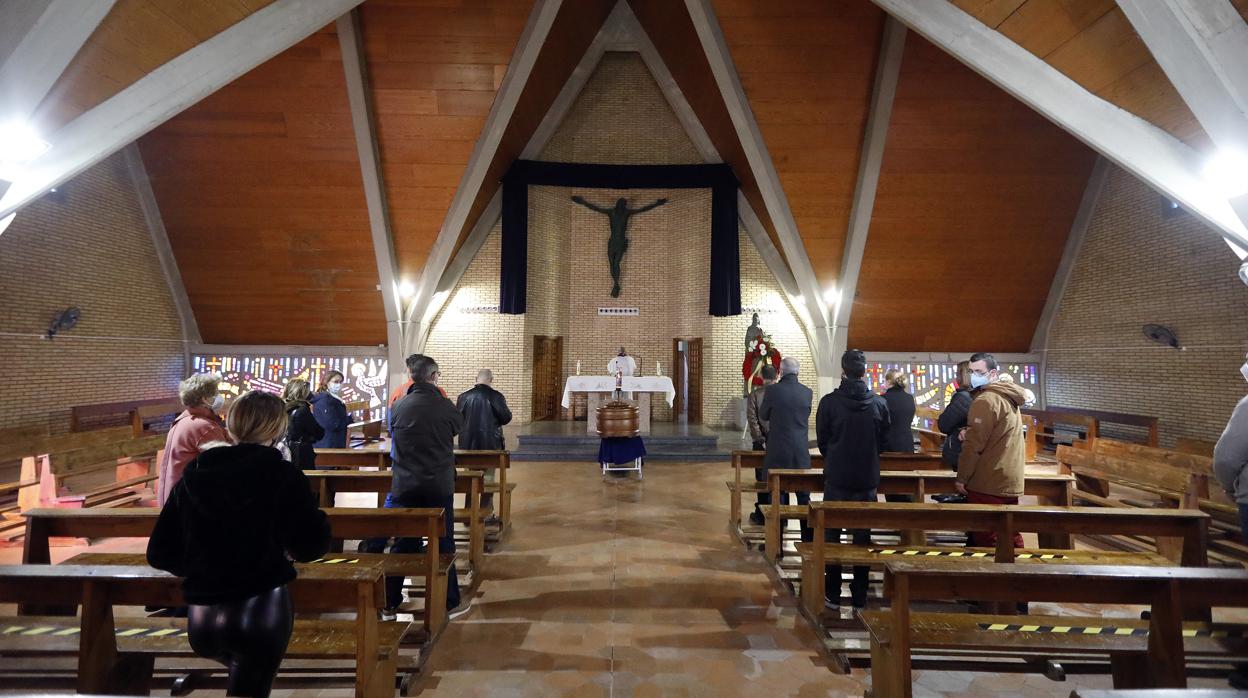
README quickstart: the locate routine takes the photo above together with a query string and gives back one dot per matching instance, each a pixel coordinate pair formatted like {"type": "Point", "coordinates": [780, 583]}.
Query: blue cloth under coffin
{"type": "Point", "coordinates": [621, 449]}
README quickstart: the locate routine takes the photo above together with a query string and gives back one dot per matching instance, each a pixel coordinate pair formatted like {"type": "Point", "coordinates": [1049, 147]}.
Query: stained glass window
{"type": "Point", "coordinates": [364, 377]}
{"type": "Point", "coordinates": [934, 383]}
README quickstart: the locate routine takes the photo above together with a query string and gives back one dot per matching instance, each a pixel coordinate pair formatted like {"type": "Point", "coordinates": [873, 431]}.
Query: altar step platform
{"type": "Point", "coordinates": [568, 441]}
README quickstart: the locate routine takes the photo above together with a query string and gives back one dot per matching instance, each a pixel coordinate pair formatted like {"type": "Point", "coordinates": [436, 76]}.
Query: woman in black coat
{"type": "Point", "coordinates": [230, 529]}
{"type": "Point", "coordinates": [899, 438]}
{"type": "Point", "coordinates": [302, 431]}
{"type": "Point", "coordinates": [953, 419]}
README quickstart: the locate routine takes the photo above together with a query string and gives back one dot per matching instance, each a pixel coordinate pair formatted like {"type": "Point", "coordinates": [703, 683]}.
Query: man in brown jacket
{"type": "Point", "coordinates": [990, 468]}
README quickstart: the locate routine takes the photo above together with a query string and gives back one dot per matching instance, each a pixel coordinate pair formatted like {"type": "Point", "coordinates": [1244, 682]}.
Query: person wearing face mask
{"type": "Point", "coordinates": [197, 425]}
{"type": "Point", "coordinates": [990, 467]}
{"type": "Point", "coordinates": [230, 529]}
{"type": "Point", "coordinates": [330, 411]}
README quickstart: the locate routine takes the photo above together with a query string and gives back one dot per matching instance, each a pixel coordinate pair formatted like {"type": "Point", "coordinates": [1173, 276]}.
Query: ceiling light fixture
{"type": "Point", "coordinates": [407, 289]}
{"type": "Point", "coordinates": [19, 144]}
{"type": "Point", "coordinates": [832, 296]}
{"type": "Point", "coordinates": [1227, 172]}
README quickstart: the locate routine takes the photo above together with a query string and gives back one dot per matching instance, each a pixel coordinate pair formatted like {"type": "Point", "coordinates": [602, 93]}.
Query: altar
{"type": "Point", "coordinates": [598, 390]}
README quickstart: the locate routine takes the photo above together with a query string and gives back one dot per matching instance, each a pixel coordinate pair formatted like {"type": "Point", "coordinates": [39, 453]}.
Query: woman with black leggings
{"type": "Point", "coordinates": [230, 528]}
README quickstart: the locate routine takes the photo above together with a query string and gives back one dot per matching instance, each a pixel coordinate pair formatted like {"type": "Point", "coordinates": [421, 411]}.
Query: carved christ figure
{"type": "Point", "coordinates": [618, 244]}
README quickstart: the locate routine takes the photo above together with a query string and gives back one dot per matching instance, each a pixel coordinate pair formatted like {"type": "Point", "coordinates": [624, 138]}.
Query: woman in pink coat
{"type": "Point", "coordinates": [193, 431]}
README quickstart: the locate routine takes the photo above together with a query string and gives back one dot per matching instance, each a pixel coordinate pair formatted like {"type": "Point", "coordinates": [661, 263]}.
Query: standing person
{"type": "Point", "coordinates": [758, 435]}
{"type": "Point", "coordinates": [197, 425]}
{"type": "Point", "coordinates": [852, 425]}
{"type": "Point", "coordinates": [990, 468]}
{"type": "Point", "coordinates": [485, 412]}
{"type": "Point", "coordinates": [1230, 466]}
{"type": "Point", "coordinates": [423, 426]}
{"type": "Point", "coordinates": [302, 431]}
{"type": "Point", "coordinates": [786, 409]}
{"type": "Point", "coordinates": [401, 391]}
{"type": "Point", "coordinates": [230, 529]}
{"type": "Point", "coordinates": [953, 419]}
{"type": "Point", "coordinates": [901, 408]}
{"type": "Point", "coordinates": [330, 411]}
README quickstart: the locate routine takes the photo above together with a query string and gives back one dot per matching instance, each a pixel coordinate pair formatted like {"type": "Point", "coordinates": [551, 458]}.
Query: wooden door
{"type": "Point", "coordinates": [547, 377]}
{"type": "Point", "coordinates": [687, 378]}
{"type": "Point", "coordinates": [694, 360]}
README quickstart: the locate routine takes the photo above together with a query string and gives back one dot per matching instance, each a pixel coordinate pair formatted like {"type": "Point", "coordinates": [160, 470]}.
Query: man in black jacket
{"type": "Point", "coordinates": [852, 427]}
{"type": "Point", "coordinates": [786, 409]}
{"type": "Point", "coordinates": [423, 425]}
{"type": "Point", "coordinates": [485, 412]}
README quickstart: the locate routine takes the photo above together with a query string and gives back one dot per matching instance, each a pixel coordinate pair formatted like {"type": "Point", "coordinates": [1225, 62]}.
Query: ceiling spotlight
{"type": "Point", "coordinates": [407, 289]}
{"type": "Point", "coordinates": [19, 144]}
{"type": "Point", "coordinates": [1227, 172]}
{"type": "Point", "coordinates": [832, 296]}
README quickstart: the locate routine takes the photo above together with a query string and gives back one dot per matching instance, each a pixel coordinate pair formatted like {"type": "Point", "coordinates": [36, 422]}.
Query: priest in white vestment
{"type": "Point", "coordinates": [624, 365]}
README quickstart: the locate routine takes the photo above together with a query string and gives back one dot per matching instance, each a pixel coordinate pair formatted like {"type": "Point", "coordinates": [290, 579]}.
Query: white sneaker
{"type": "Point", "coordinates": [462, 609]}
{"type": "Point", "coordinates": [389, 614]}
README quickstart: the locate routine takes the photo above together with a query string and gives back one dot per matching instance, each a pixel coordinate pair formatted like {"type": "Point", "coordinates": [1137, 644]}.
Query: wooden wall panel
{"type": "Point", "coordinates": [977, 195]}
{"type": "Point", "coordinates": [259, 187]}
{"type": "Point", "coordinates": [135, 38]}
{"type": "Point", "coordinates": [807, 68]}
{"type": "Point", "coordinates": [1093, 43]}
{"type": "Point", "coordinates": [434, 69]}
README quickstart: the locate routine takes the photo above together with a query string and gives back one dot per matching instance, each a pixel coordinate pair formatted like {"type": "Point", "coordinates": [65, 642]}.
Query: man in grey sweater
{"type": "Point", "coordinates": [1230, 466]}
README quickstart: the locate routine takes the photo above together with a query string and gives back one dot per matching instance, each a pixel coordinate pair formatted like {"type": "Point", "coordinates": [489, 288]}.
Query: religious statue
{"type": "Point", "coordinates": [753, 332]}
{"type": "Point", "coordinates": [618, 244]}
{"type": "Point", "coordinates": [622, 365]}
{"type": "Point", "coordinates": [759, 350]}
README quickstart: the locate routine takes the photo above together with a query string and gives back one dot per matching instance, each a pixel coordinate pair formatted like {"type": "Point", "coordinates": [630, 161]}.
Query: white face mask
{"type": "Point", "coordinates": [1243, 370]}
{"type": "Point", "coordinates": [335, 388]}
{"type": "Point", "coordinates": [217, 403]}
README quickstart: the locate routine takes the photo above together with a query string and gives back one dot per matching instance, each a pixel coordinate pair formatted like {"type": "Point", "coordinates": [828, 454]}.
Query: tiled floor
{"type": "Point", "coordinates": [627, 588]}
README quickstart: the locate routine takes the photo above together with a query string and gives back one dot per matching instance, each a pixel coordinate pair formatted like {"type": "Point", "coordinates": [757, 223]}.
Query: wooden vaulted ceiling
{"type": "Point", "coordinates": [1093, 43]}
{"type": "Point", "coordinates": [260, 189]}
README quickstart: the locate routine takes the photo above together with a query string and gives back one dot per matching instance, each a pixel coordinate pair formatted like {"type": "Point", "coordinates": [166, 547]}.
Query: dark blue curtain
{"type": "Point", "coordinates": [725, 294]}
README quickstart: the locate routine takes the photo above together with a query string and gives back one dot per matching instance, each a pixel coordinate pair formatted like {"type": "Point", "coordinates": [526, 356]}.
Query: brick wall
{"type": "Point", "coordinates": [93, 251]}
{"type": "Point", "coordinates": [1138, 266]}
{"type": "Point", "coordinates": [621, 117]}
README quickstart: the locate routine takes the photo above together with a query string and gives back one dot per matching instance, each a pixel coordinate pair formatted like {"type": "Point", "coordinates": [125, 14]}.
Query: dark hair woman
{"type": "Point", "coordinates": [302, 430]}
{"type": "Point", "coordinates": [230, 528]}
{"type": "Point", "coordinates": [330, 411]}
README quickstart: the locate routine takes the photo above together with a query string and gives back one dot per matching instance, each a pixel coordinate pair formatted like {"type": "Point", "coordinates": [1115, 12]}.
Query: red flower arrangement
{"type": "Point", "coordinates": [762, 350]}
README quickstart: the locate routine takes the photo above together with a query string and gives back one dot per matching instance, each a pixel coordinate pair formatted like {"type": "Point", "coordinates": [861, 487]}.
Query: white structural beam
{"type": "Point", "coordinates": [166, 91]}
{"type": "Point", "coordinates": [1070, 253]}
{"type": "Point", "coordinates": [883, 90]}
{"type": "Point", "coordinates": [810, 296]}
{"type": "Point", "coordinates": [164, 251]}
{"type": "Point", "coordinates": [1202, 45]}
{"type": "Point", "coordinates": [363, 121]}
{"type": "Point", "coordinates": [1144, 150]}
{"type": "Point", "coordinates": [38, 39]}
{"type": "Point", "coordinates": [522, 61]}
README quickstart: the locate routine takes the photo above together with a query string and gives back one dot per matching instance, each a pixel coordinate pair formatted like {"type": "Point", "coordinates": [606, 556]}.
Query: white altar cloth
{"type": "Point", "coordinates": [606, 384]}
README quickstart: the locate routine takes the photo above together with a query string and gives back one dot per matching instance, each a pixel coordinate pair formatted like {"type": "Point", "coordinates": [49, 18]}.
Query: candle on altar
{"type": "Point", "coordinates": [658, 370]}
{"type": "Point", "coordinates": [578, 368]}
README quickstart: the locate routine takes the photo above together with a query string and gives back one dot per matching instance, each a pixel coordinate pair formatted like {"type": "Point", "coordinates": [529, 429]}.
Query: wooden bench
{"type": "Point", "coordinates": [1077, 426]}
{"type": "Point", "coordinates": [930, 437]}
{"type": "Point", "coordinates": [346, 524]}
{"type": "Point", "coordinates": [748, 460]}
{"type": "Point", "coordinates": [117, 654]}
{"type": "Point", "coordinates": [80, 415]}
{"type": "Point", "coordinates": [328, 483]}
{"type": "Point", "coordinates": [1148, 653]}
{"type": "Point", "coordinates": [108, 467]}
{"type": "Point", "coordinates": [144, 415]}
{"type": "Point", "coordinates": [1003, 520]}
{"type": "Point", "coordinates": [368, 457]}
{"type": "Point", "coordinates": [1048, 488]}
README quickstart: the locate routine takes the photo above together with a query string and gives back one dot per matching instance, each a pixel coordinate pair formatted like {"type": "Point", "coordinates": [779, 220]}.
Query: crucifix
{"type": "Point", "coordinates": [618, 244]}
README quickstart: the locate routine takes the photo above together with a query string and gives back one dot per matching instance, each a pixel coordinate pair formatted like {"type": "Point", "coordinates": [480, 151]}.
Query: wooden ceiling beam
{"type": "Point", "coordinates": [1151, 154]}
{"type": "Point", "coordinates": [884, 89]}
{"type": "Point", "coordinates": [38, 39]}
{"type": "Point", "coordinates": [1203, 48]}
{"type": "Point", "coordinates": [542, 17]}
{"type": "Point", "coordinates": [168, 90]}
{"type": "Point", "coordinates": [809, 303]}
{"type": "Point", "coordinates": [363, 121]}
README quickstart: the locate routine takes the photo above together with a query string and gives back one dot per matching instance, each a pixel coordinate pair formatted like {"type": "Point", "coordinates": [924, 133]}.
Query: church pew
{"type": "Point", "coordinates": [117, 654]}
{"type": "Point", "coordinates": [1004, 520]}
{"type": "Point", "coordinates": [744, 462]}
{"type": "Point", "coordinates": [31, 447]}
{"type": "Point", "coordinates": [346, 524]}
{"type": "Point", "coordinates": [143, 415]}
{"type": "Point", "coordinates": [1049, 488]}
{"type": "Point", "coordinates": [930, 436]}
{"type": "Point", "coordinates": [60, 465]}
{"type": "Point", "coordinates": [367, 457]}
{"type": "Point", "coordinates": [1148, 653]}
{"type": "Point", "coordinates": [328, 483]}
{"type": "Point", "coordinates": [1047, 422]}
{"type": "Point", "coordinates": [121, 411]}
